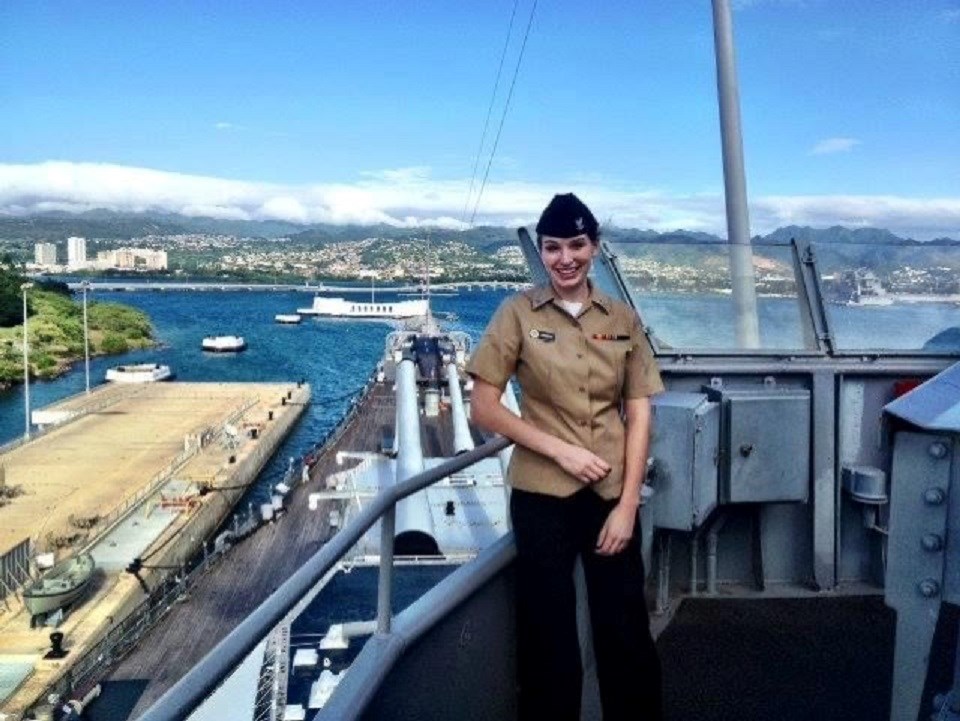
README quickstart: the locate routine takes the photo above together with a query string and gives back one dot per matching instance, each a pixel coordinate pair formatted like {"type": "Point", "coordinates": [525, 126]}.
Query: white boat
{"type": "Point", "coordinates": [342, 308]}
{"type": "Point", "coordinates": [287, 318]}
{"type": "Point", "coordinates": [139, 373]}
{"type": "Point", "coordinates": [224, 343]}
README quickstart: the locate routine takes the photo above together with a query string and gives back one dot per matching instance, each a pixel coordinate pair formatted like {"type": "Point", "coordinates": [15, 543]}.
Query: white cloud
{"type": "Point", "coordinates": [225, 126]}
{"type": "Point", "coordinates": [834, 145]}
{"type": "Point", "coordinates": [407, 197]}
{"type": "Point", "coordinates": [951, 16]}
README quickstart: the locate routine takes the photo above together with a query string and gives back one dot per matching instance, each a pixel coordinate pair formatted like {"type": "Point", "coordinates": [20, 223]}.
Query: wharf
{"type": "Point", "coordinates": [102, 482]}
{"type": "Point", "coordinates": [233, 587]}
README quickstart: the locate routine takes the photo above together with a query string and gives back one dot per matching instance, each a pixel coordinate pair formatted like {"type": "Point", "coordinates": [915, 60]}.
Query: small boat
{"type": "Point", "coordinates": [224, 343]}
{"type": "Point", "coordinates": [342, 308]}
{"type": "Point", "coordinates": [139, 373]}
{"type": "Point", "coordinates": [61, 585]}
{"type": "Point", "coordinates": [287, 318]}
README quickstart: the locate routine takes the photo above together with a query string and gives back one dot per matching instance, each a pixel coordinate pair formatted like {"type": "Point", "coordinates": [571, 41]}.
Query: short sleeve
{"type": "Point", "coordinates": [642, 375]}
{"type": "Point", "coordinates": [495, 359]}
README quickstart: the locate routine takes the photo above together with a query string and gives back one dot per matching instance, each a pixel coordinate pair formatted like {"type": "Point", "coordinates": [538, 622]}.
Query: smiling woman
{"type": "Point", "coordinates": [580, 358]}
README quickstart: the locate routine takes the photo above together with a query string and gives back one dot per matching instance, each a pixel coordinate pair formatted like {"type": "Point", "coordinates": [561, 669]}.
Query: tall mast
{"type": "Point", "coordinates": [734, 179]}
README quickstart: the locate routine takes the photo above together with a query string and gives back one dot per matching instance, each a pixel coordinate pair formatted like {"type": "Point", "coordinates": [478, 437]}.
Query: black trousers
{"type": "Point", "coordinates": [550, 533]}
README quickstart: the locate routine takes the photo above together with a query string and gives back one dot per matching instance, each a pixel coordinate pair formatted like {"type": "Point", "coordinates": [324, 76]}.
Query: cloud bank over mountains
{"type": "Point", "coordinates": [412, 197]}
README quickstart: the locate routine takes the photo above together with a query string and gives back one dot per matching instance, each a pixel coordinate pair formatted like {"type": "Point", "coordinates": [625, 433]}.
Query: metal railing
{"type": "Point", "coordinates": [125, 634]}
{"type": "Point", "coordinates": [187, 694]}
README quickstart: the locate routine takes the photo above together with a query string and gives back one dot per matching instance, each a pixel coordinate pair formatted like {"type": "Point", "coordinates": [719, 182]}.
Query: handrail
{"type": "Point", "coordinates": [184, 696]}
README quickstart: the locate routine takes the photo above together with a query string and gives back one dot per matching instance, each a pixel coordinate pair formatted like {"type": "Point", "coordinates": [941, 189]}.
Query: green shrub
{"type": "Point", "coordinates": [121, 319]}
{"type": "Point", "coordinates": [43, 361]}
{"type": "Point", "coordinates": [113, 343]}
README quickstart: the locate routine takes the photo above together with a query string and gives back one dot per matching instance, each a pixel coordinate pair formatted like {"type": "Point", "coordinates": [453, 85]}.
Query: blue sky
{"type": "Point", "coordinates": [364, 110]}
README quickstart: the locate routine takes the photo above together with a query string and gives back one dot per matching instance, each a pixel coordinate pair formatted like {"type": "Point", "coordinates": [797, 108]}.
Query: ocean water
{"type": "Point", "coordinates": [334, 356]}
{"type": "Point", "coordinates": [337, 356]}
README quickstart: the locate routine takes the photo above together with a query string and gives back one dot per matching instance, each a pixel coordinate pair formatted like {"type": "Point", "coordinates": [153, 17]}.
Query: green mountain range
{"type": "Point", "coordinates": [109, 225]}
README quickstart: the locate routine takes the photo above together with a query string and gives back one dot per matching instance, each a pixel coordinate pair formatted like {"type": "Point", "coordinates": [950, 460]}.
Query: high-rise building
{"type": "Point", "coordinates": [45, 254]}
{"type": "Point", "coordinates": [76, 252]}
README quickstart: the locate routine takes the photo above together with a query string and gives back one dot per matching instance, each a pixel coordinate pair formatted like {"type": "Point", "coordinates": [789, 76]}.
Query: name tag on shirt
{"type": "Point", "coordinates": [610, 336]}
{"type": "Point", "coordinates": [544, 335]}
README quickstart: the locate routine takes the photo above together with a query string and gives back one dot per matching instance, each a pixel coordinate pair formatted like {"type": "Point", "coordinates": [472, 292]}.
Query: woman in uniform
{"type": "Point", "coordinates": [586, 374]}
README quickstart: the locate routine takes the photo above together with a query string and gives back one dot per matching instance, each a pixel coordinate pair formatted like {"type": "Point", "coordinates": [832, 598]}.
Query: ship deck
{"type": "Point", "coordinates": [91, 484]}
{"type": "Point", "coordinates": [232, 588]}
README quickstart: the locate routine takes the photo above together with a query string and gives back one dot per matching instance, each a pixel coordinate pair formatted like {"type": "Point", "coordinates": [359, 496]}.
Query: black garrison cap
{"type": "Point", "coordinates": [565, 217]}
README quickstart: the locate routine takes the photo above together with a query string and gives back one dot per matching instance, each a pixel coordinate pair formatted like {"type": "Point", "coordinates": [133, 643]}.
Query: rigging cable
{"type": "Point", "coordinates": [486, 122]}
{"type": "Point", "coordinates": [506, 108]}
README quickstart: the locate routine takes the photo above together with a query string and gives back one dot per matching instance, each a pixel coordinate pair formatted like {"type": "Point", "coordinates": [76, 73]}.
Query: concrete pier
{"type": "Point", "coordinates": [142, 471]}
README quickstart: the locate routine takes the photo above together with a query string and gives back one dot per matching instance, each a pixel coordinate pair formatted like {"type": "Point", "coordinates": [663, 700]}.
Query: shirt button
{"type": "Point", "coordinates": [581, 423]}
{"type": "Point", "coordinates": [579, 355]}
{"type": "Point", "coordinates": [582, 389]}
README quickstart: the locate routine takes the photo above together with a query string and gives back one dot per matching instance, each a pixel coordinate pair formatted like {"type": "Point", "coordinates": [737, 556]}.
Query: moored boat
{"type": "Point", "coordinates": [224, 343]}
{"type": "Point", "coordinates": [59, 586]}
{"type": "Point", "coordinates": [139, 373]}
{"type": "Point", "coordinates": [287, 318]}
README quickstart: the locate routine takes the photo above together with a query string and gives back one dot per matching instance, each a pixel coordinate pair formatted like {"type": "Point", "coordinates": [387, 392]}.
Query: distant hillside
{"type": "Point", "coordinates": [840, 247]}
{"type": "Point", "coordinates": [109, 225]}
{"type": "Point", "coordinates": [835, 234]}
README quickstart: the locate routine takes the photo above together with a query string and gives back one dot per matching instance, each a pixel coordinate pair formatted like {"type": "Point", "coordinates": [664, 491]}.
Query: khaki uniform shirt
{"type": "Point", "coordinates": [573, 373]}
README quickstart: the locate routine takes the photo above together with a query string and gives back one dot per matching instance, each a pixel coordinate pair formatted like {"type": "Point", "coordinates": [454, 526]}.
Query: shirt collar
{"type": "Point", "coordinates": [543, 294]}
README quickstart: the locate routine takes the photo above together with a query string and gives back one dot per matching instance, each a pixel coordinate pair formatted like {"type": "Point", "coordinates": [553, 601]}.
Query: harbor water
{"type": "Point", "coordinates": [337, 356]}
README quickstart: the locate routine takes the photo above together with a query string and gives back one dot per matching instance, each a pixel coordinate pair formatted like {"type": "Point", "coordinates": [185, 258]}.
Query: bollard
{"type": "Point", "coordinates": [269, 415]}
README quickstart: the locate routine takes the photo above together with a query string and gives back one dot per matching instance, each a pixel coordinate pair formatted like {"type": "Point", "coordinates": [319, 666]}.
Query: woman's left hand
{"type": "Point", "coordinates": [617, 529]}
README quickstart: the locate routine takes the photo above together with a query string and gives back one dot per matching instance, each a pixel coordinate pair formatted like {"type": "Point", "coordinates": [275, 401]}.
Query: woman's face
{"type": "Point", "coordinates": [568, 261]}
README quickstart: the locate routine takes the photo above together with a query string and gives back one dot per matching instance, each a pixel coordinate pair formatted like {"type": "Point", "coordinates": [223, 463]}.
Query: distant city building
{"type": "Point", "coordinates": [132, 259]}
{"type": "Point", "coordinates": [155, 259]}
{"type": "Point", "coordinates": [126, 259]}
{"type": "Point", "coordinates": [76, 252]}
{"type": "Point", "coordinates": [45, 254]}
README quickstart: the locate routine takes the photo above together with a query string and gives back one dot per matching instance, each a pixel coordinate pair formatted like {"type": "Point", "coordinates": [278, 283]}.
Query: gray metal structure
{"type": "Point", "coordinates": [923, 565]}
{"type": "Point", "coordinates": [463, 440]}
{"type": "Point", "coordinates": [735, 178]}
{"type": "Point", "coordinates": [413, 521]}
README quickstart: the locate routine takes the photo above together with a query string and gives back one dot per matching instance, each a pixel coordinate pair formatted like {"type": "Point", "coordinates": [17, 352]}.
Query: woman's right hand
{"type": "Point", "coordinates": [580, 463]}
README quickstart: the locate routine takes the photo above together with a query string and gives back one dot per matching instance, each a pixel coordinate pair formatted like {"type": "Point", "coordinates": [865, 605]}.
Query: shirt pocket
{"type": "Point", "coordinates": [610, 367]}
{"type": "Point", "coordinates": [538, 358]}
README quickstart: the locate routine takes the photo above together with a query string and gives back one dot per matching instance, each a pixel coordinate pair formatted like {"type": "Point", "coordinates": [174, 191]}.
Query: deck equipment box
{"type": "Point", "coordinates": [764, 444]}
{"type": "Point", "coordinates": [685, 449]}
